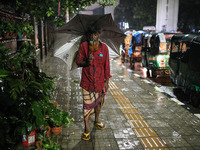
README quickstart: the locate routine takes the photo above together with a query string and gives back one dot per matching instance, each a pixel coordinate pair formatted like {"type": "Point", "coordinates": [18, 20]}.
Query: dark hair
{"type": "Point", "coordinates": [93, 29]}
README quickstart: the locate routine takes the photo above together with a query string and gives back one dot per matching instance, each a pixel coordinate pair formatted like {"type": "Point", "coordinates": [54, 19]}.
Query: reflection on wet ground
{"type": "Point", "coordinates": [155, 101]}
{"type": "Point", "coordinates": [137, 111]}
{"type": "Point", "coordinates": [164, 83]}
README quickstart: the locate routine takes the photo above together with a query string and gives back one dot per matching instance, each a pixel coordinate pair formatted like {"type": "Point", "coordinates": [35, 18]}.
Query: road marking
{"type": "Point", "coordinates": [177, 101]}
{"type": "Point", "coordinates": [144, 132]}
{"type": "Point", "coordinates": [158, 89]}
{"type": "Point", "coordinates": [198, 115]}
{"type": "Point", "coordinates": [129, 70]}
{"type": "Point", "coordinates": [136, 75]}
{"type": "Point", "coordinates": [146, 81]}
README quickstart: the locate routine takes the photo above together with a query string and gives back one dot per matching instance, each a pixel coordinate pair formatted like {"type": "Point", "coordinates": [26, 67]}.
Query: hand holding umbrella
{"type": "Point", "coordinates": [69, 37]}
{"type": "Point", "coordinates": [90, 59]}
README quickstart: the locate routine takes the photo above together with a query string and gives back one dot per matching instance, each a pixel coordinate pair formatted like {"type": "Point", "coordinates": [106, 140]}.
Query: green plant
{"type": "Point", "coordinates": [56, 117]}
{"type": "Point", "coordinates": [22, 27]}
{"type": "Point", "coordinates": [24, 92]}
{"type": "Point", "coordinates": [1, 29]}
{"type": "Point", "coordinates": [48, 10]}
{"type": "Point", "coordinates": [27, 28]}
{"type": "Point", "coordinates": [5, 28]}
{"type": "Point", "coordinates": [10, 26]}
{"type": "Point", "coordinates": [47, 142]}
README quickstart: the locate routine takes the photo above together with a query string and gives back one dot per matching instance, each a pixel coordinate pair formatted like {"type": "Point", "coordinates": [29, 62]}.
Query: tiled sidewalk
{"type": "Point", "coordinates": [164, 119]}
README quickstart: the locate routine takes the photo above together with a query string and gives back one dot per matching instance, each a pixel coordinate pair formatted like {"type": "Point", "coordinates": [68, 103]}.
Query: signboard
{"type": "Point", "coordinates": [167, 36]}
{"type": "Point", "coordinates": [163, 47]}
{"type": "Point", "coordinates": [150, 28]}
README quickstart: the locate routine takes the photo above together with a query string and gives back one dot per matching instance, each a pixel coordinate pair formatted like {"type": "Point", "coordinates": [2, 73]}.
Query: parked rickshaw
{"type": "Point", "coordinates": [168, 36]}
{"type": "Point", "coordinates": [145, 49]}
{"type": "Point", "coordinates": [155, 55]}
{"type": "Point", "coordinates": [127, 46]}
{"type": "Point", "coordinates": [137, 46]}
{"type": "Point", "coordinates": [184, 65]}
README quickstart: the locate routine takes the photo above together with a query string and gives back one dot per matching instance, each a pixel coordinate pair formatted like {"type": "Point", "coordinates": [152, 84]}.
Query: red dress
{"type": "Point", "coordinates": [93, 76]}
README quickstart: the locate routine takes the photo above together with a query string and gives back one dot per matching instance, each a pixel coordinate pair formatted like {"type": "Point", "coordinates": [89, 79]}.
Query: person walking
{"type": "Point", "coordinates": [93, 56]}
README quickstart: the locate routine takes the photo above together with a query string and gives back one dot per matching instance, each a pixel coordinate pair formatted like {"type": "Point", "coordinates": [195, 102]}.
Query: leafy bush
{"type": "Point", "coordinates": [25, 94]}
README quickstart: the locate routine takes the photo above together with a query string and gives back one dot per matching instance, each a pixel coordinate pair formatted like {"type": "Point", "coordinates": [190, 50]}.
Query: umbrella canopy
{"type": "Point", "coordinates": [69, 37]}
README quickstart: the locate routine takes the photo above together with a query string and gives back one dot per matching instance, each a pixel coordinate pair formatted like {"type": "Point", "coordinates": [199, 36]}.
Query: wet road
{"type": "Point", "coordinates": [139, 112]}
{"type": "Point", "coordinates": [163, 82]}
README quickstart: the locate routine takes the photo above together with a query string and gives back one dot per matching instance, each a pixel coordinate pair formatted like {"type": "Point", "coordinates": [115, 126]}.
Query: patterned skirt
{"type": "Point", "coordinates": [90, 100]}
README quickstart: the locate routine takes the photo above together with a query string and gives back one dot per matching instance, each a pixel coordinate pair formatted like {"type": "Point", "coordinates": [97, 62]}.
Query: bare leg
{"type": "Point", "coordinates": [97, 112]}
{"type": "Point", "coordinates": [86, 134]}
{"type": "Point", "coordinates": [86, 121]}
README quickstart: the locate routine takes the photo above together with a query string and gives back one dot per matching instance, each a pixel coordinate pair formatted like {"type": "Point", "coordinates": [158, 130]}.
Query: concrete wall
{"type": "Point", "coordinates": [167, 15]}
{"type": "Point", "coordinates": [94, 7]}
{"type": "Point", "coordinates": [110, 9]}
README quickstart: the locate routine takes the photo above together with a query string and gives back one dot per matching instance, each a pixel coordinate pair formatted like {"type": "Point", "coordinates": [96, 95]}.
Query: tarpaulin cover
{"type": "Point", "coordinates": [138, 36]}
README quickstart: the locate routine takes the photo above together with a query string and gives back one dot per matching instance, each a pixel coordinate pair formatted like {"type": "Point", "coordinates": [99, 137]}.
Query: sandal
{"type": "Point", "coordinates": [86, 136]}
{"type": "Point", "coordinates": [100, 125]}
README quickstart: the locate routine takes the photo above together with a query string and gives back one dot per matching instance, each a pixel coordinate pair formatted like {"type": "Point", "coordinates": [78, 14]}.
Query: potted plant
{"type": "Point", "coordinates": [47, 142]}
{"type": "Point", "coordinates": [56, 118]}
{"type": "Point", "coordinates": [24, 92]}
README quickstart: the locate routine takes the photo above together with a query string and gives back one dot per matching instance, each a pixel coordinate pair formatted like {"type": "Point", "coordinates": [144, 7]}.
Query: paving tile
{"type": "Point", "coordinates": [166, 131]}
{"type": "Point", "coordinates": [139, 124]}
{"type": "Point", "coordinates": [175, 142]}
{"type": "Point", "coordinates": [144, 132]}
{"type": "Point", "coordinates": [151, 116]}
{"type": "Point", "coordinates": [135, 114]}
{"type": "Point", "coordinates": [129, 110]}
{"type": "Point", "coordinates": [129, 143]}
{"type": "Point", "coordinates": [157, 123]}
{"type": "Point", "coordinates": [152, 142]}
{"type": "Point", "coordinates": [193, 140]}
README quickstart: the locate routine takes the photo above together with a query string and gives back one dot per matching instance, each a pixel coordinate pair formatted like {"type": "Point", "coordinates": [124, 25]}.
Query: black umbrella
{"type": "Point", "coordinates": [76, 29]}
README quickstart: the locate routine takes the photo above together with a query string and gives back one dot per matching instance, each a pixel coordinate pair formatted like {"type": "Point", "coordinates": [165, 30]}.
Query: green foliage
{"type": "Point", "coordinates": [6, 27]}
{"type": "Point", "coordinates": [19, 27]}
{"type": "Point", "coordinates": [49, 143]}
{"type": "Point", "coordinates": [106, 2]}
{"type": "Point", "coordinates": [56, 117]}
{"type": "Point", "coordinates": [45, 9]}
{"type": "Point", "coordinates": [136, 13]}
{"type": "Point", "coordinates": [188, 18]}
{"type": "Point", "coordinates": [24, 92]}
{"type": "Point", "coordinates": [25, 96]}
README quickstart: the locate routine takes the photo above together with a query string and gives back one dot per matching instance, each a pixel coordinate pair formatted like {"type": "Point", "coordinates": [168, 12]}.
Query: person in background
{"type": "Point", "coordinates": [93, 56]}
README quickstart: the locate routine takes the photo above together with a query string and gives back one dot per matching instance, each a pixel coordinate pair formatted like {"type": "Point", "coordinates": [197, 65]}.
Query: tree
{"type": "Point", "coordinates": [48, 9]}
{"type": "Point", "coordinates": [25, 91]}
{"type": "Point", "coordinates": [188, 19]}
{"type": "Point", "coordinates": [136, 13]}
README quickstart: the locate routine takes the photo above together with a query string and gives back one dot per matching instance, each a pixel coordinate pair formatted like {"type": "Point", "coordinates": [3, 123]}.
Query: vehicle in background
{"type": "Point", "coordinates": [127, 46]}
{"type": "Point", "coordinates": [184, 63]}
{"type": "Point", "coordinates": [149, 29]}
{"type": "Point", "coordinates": [145, 49]}
{"type": "Point", "coordinates": [155, 55]}
{"type": "Point", "coordinates": [168, 36]}
{"type": "Point", "coordinates": [137, 41]}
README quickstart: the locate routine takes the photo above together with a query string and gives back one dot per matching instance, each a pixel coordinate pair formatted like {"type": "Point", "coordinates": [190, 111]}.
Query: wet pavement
{"type": "Point", "coordinates": [137, 113]}
{"type": "Point", "coordinates": [163, 84]}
